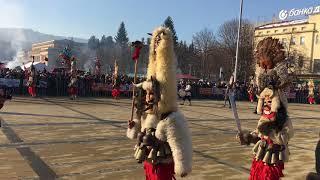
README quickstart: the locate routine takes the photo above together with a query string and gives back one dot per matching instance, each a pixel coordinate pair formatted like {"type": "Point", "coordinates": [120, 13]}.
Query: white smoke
{"type": "Point", "coordinates": [14, 63]}
{"type": "Point", "coordinates": [16, 44]}
{"type": "Point", "coordinates": [90, 56]}
{"type": "Point", "coordinates": [11, 15]}
{"type": "Point", "coordinates": [89, 65]}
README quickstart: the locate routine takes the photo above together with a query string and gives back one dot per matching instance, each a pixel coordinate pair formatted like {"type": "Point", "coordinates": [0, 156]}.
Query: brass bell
{"type": "Point", "coordinates": [160, 152]}
{"type": "Point", "coordinates": [256, 147]}
{"type": "Point", "coordinates": [274, 158]}
{"type": "Point", "coordinates": [141, 155]}
{"type": "Point", "coordinates": [267, 157]}
{"type": "Point", "coordinates": [137, 149]}
{"type": "Point", "coordinates": [282, 156]}
{"type": "Point", "coordinates": [150, 153]}
{"type": "Point", "coordinates": [147, 140]}
{"type": "Point", "coordinates": [260, 153]}
{"type": "Point", "coordinates": [167, 149]}
{"type": "Point", "coordinates": [153, 155]}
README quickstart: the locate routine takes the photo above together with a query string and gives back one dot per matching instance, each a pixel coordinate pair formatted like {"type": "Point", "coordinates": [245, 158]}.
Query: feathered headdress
{"type": "Point", "coordinates": [271, 69]}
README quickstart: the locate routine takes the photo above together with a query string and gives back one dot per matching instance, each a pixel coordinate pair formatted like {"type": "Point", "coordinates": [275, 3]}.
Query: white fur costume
{"type": "Point", "coordinates": [311, 88]}
{"type": "Point", "coordinates": [173, 129]}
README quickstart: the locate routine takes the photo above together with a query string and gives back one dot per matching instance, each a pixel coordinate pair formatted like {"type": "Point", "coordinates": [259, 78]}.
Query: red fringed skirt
{"type": "Point", "coordinates": [73, 91]}
{"type": "Point", "coordinates": [115, 93]}
{"type": "Point", "coordinates": [32, 91]}
{"type": "Point", "coordinates": [260, 171]}
{"type": "Point", "coordinates": [159, 171]}
{"type": "Point", "coordinates": [251, 97]}
{"type": "Point", "coordinates": [311, 100]}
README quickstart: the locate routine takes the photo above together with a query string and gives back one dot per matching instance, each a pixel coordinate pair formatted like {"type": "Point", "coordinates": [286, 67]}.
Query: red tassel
{"type": "Point", "coordinates": [159, 171]}
{"type": "Point", "coordinates": [115, 93]}
{"type": "Point", "coordinates": [261, 171]}
{"type": "Point", "coordinates": [136, 53]}
{"type": "Point", "coordinates": [73, 91]}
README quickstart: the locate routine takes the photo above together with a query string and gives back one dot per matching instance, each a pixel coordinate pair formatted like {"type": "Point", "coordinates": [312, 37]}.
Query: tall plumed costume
{"type": "Point", "coordinates": [274, 129]}
{"type": "Point", "coordinates": [73, 84]}
{"type": "Point", "coordinates": [311, 96]}
{"type": "Point", "coordinates": [32, 80]}
{"type": "Point", "coordinates": [116, 82]}
{"type": "Point", "coordinates": [162, 133]}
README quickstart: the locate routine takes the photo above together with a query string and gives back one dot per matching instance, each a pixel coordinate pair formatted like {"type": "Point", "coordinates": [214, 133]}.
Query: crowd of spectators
{"type": "Point", "coordinates": [56, 84]}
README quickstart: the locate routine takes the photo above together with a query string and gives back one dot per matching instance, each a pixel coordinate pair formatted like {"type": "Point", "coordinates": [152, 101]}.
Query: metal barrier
{"type": "Point", "coordinates": [59, 87]}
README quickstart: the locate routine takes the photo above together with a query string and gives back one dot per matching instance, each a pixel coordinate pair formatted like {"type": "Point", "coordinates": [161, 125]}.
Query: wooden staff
{"type": "Point", "coordinates": [135, 57]}
{"type": "Point", "coordinates": [133, 90]}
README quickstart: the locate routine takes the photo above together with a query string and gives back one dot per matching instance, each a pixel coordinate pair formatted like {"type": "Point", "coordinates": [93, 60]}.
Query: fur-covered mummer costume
{"type": "Point", "coordinates": [164, 141]}
{"type": "Point", "coordinates": [311, 98]}
{"type": "Point", "coordinates": [274, 128]}
{"type": "Point", "coordinates": [73, 85]}
{"type": "Point", "coordinates": [116, 82]}
{"type": "Point", "coordinates": [32, 81]}
{"type": "Point", "coordinates": [251, 93]}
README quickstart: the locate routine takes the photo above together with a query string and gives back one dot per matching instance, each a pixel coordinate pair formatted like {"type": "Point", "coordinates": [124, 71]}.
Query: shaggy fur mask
{"type": "Point", "coordinates": [162, 67]}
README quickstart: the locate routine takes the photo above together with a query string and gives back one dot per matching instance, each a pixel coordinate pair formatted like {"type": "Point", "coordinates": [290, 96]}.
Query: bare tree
{"type": "Point", "coordinates": [205, 43]}
{"type": "Point", "coordinates": [227, 37]}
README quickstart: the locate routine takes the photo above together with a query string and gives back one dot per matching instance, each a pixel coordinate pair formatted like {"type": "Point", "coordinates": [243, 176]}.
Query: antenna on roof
{"type": "Point", "coordinates": [274, 18]}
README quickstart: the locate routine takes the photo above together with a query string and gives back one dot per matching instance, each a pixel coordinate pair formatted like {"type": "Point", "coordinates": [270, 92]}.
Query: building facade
{"type": "Point", "coordinates": [301, 39]}
{"type": "Point", "coordinates": [52, 49]}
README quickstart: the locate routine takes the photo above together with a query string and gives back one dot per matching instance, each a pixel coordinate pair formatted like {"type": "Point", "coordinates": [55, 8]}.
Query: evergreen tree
{"type": "Point", "coordinates": [93, 43]}
{"type": "Point", "coordinates": [103, 41]}
{"type": "Point", "coordinates": [122, 36]}
{"type": "Point", "coordinates": [109, 42]}
{"type": "Point", "coordinates": [169, 24]}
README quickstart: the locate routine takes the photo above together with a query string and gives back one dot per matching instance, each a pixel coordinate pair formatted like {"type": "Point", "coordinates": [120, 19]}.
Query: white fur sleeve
{"type": "Point", "coordinates": [175, 131]}
{"type": "Point", "coordinates": [132, 133]}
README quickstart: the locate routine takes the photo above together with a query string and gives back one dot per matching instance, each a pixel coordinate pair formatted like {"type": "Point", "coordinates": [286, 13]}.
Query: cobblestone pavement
{"type": "Point", "coordinates": [50, 138]}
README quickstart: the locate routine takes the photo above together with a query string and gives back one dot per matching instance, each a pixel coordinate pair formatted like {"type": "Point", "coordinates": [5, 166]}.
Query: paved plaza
{"type": "Point", "coordinates": [47, 138]}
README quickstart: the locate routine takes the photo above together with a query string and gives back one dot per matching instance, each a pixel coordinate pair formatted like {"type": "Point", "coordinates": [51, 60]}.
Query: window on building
{"type": "Point", "coordinates": [275, 31]}
{"type": "Point", "coordinates": [294, 29]}
{"type": "Point", "coordinates": [302, 40]}
{"type": "Point", "coordinates": [303, 28]}
{"type": "Point", "coordinates": [260, 33]}
{"type": "Point", "coordinates": [285, 30]}
{"type": "Point", "coordinates": [293, 41]}
{"type": "Point", "coordinates": [268, 32]}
